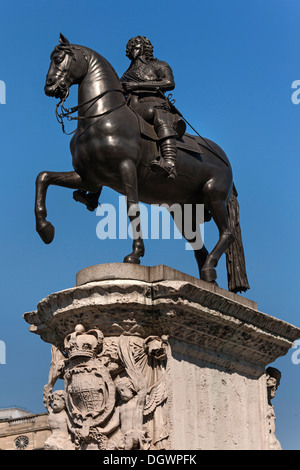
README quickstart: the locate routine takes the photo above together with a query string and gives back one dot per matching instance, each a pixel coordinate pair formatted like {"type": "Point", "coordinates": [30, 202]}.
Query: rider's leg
{"type": "Point", "coordinates": [156, 113]}
{"type": "Point", "coordinates": [169, 153]}
{"type": "Point", "coordinates": [164, 126]}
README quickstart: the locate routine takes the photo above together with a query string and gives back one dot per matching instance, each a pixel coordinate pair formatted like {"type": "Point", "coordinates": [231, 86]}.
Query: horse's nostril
{"type": "Point", "coordinates": [49, 81]}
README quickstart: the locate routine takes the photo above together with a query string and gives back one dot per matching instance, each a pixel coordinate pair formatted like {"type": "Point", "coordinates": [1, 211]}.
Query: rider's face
{"type": "Point", "coordinates": [136, 50]}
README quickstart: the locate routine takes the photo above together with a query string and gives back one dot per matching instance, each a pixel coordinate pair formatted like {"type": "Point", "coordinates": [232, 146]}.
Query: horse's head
{"type": "Point", "coordinates": [65, 69]}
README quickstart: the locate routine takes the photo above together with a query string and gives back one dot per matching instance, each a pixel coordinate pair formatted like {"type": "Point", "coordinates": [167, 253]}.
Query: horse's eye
{"type": "Point", "coordinates": [58, 59]}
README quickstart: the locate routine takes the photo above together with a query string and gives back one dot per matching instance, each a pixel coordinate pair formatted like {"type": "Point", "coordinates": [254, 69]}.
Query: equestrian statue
{"type": "Point", "coordinates": [130, 137]}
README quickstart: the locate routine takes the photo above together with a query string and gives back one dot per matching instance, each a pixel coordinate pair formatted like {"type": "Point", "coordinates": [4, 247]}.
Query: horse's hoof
{"type": "Point", "coordinates": [131, 259]}
{"type": "Point", "coordinates": [46, 232]}
{"type": "Point", "coordinates": [89, 199]}
{"type": "Point", "coordinates": [208, 275]}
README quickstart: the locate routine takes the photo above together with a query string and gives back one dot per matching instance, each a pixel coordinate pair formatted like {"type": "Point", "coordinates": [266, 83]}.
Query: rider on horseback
{"type": "Point", "coordinates": [145, 82]}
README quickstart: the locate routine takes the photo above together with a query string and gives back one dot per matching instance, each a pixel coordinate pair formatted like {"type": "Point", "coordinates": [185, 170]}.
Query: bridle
{"type": "Point", "coordinates": [65, 113]}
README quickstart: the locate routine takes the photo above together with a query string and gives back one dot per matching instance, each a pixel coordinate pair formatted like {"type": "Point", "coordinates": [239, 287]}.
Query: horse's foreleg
{"type": "Point", "coordinates": [130, 189]}
{"type": "Point", "coordinates": [68, 179]}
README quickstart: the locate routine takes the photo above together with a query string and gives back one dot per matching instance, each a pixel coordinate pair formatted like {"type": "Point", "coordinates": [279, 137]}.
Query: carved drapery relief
{"type": "Point", "coordinates": [114, 395]}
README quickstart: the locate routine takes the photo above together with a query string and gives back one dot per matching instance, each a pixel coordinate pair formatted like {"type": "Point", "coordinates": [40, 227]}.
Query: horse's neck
{"type": "Point", "coordinates": [100, 78]}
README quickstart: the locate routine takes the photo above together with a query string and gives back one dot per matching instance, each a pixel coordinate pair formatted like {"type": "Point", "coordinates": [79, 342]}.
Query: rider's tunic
{"type": "Point", "coordinates": [150, 103]}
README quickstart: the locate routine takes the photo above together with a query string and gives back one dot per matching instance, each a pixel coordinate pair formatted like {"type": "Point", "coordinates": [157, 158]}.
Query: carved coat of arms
{"type": "Point", "coordinates": [115, 394]}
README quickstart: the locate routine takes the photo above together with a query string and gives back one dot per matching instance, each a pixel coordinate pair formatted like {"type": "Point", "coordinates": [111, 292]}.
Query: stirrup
{"type": "Point", "coordinates": [164, 167]}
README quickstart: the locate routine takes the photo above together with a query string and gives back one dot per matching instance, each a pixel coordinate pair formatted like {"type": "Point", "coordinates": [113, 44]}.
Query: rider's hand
{"type": "Point", "coordinates": [127, 86]}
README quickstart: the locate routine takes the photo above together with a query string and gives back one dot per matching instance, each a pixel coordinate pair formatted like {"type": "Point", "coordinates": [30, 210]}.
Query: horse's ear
{"type": "Point", "coordinates": [63, 40]}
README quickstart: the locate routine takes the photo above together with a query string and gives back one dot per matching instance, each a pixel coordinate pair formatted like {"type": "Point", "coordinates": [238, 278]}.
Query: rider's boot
{"type": "Point", "coordinates": [89, 199]}
{"type": "Point", "coordinates": [166, 165]}
{"type": "Point", "coordinates": [169, 154]}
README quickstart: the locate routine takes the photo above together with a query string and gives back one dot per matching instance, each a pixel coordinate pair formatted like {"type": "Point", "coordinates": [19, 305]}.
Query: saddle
{"type": "Point", "coordinates": [184, 141]}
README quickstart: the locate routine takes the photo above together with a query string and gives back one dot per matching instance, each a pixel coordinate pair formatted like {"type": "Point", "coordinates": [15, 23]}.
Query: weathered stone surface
{"type": "Point", "coordinates": [205, 386]}
{"type": "Point", "coordinates": [104, 272]}
{"type": "Point", "coordinates": [188, 310]}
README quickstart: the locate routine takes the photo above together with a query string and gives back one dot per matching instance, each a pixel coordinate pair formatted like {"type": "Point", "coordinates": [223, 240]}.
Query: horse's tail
{"type": "Point", "coordinates": [235, 258]}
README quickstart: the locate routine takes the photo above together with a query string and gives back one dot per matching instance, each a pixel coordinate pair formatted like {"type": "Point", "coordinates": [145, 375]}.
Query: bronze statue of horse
{"type": "Point", "coordinates": [108, 149]}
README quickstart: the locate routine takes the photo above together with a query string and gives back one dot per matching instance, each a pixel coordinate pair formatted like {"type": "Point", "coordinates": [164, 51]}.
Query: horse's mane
{"type": "Point", "coordinates": [98, 65]}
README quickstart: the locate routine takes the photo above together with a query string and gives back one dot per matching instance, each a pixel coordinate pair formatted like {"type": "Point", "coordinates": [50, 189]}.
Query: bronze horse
{"type": "Point", "coordinates": [109, 150]}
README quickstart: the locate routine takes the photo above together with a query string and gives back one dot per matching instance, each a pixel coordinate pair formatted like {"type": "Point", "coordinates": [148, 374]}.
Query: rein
{"type": "Point", "coordinates": [208, 147]}
{"type": "Point", "coordinates": [66, 112]}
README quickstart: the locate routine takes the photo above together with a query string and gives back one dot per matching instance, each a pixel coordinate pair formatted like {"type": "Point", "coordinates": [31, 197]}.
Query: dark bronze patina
{"type": "Point", "coordinates": [115, 145]}
{"type": "Point", "coordinates": [145, 82]}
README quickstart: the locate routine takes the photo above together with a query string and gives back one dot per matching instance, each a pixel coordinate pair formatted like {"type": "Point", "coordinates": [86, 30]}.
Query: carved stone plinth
{"type": "Point", "coordinates": [152, 358]}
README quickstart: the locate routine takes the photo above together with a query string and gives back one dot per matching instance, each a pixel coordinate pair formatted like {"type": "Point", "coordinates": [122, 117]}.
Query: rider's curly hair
{"type": "Point", "coordinates": [147, 46]}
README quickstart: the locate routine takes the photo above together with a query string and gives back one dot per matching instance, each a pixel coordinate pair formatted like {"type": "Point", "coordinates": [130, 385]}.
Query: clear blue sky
{"type": "Point", "coordinates": [234, 63]}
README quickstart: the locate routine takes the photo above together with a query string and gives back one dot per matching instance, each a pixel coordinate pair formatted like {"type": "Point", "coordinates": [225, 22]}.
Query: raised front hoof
{"type": "Point", "coordinates": [46, 232]}
{"type": "Point", "coordinates": [208, 275]}
{"type": "Point", "coordinates": [132, 259]}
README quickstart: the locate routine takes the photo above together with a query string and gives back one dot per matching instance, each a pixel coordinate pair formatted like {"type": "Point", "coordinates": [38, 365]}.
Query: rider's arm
{"type": "Point", "coordinates": [164, 80]}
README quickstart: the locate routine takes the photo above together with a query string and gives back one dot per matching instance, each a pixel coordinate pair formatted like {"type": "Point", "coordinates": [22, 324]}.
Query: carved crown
{"type": "Point", "coordinates": [83, 343]}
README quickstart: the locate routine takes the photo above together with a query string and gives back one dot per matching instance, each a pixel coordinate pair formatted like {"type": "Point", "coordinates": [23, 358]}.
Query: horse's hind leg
{"type": "Point", "coordinates": [68, 179]}
{"type": "Point", "coordinates": [188, 223]}
{"type": "Point", "coordinates": [219, 211]}
{"type": "Point", "coordinates": [130, 188]}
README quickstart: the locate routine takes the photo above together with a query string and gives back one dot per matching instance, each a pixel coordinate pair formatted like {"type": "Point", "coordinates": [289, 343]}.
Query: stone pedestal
{"type": "Point", "coordinates": [152, 358]}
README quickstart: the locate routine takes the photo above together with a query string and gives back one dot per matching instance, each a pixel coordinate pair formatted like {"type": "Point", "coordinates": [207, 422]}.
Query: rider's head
{"type": "Point", "coordinates": [138, 46]}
